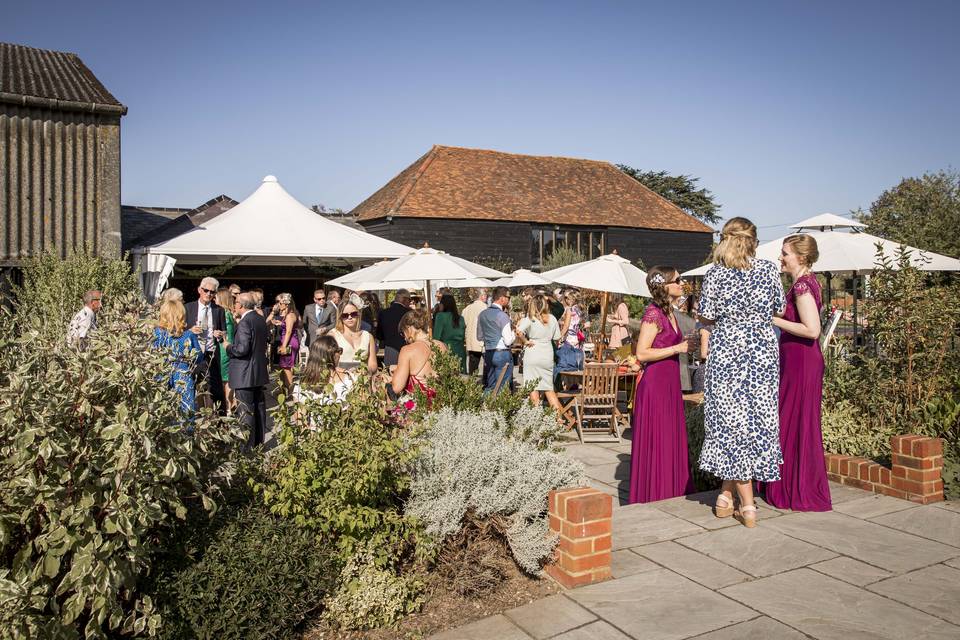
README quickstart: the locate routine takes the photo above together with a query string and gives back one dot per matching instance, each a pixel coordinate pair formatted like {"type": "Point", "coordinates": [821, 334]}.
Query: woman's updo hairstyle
{"type": "Point", "coordinates": [805, 246]}
{"type": "Point", "coordinates": [658, 278]}
{"type": "Point", "coordinates": [415, 319]}
{"type": "Point", "coordinates": [738, 243]}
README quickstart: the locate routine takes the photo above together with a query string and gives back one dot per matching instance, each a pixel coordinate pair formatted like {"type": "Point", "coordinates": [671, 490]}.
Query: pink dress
{"type": "Point", "coordinates": [803, 482]}
{"type": "Point", "coordinates": [659, 463]}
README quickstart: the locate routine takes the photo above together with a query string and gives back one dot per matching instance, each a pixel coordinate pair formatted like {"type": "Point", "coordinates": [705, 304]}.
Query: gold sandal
{"type": "Point", "coordinates": [722, 511]}
{"type": "Point", "coordinates": [748, 515]}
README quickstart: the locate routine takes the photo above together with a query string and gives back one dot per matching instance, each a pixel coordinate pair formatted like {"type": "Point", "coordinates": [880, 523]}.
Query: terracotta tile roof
{"type": "Point", "coordinates": [59, 80]}
{"type": "Point", "coordinates": [475, 184]}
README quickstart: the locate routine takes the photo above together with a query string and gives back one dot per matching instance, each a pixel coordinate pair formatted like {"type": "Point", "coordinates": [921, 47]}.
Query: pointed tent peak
{"type": "Point", "coordinates": [828, 221]}
{"type": "Point", "coordinates": [270, 179]}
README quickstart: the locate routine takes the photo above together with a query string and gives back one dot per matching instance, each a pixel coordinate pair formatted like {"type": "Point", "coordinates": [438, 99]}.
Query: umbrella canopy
{"type": "Point", "coordinates": [522, 278]}
{"type": "Point", "coordinates": [609, 273]}
{"type": "Point", "coordinates": [420, 265]}
{"type": "Point", "coordinates": [842, 252]}
{"type": "Point", "coordinates": [273, 228]}
{"type": "Point", "coordinates": [826, 221]}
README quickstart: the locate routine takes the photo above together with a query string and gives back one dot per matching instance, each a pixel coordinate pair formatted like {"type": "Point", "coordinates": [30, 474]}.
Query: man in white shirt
{"type": "Point", "coordinates": [85, 320]}
{"type": "Point", "coordinates": [470, 314]}
{"type": "Point", "coordinates": [208, 321]}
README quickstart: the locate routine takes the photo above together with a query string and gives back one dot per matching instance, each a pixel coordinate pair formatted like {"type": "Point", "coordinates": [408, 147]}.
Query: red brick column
{"type": "Point", "coordinates": [914, 474]}
{"type": "Point", "coordinates": [582, 517]}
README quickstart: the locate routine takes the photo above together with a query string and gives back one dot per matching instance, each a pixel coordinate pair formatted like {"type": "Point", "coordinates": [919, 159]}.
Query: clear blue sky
{"type": "Point", "coordinates": [782, 109]}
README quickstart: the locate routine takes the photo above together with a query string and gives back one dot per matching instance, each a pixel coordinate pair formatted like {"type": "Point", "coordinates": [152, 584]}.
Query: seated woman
{"type": "Point", "coordinates": [414, 365]}
{"type": "Point", "coordinates": [359, 347]}
{"type": "Point", "coordinates": [322, 376]}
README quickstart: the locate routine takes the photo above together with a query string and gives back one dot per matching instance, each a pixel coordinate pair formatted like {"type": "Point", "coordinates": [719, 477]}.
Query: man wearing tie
{"type": "Point", "coordinates": [248, 369]}
{"type": "Point", "coordinates": [207, 320]}
{"type": "Point", "coordinates": [320, 317]}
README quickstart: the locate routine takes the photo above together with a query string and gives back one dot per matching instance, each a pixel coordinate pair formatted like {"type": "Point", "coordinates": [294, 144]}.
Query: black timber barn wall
{"type": "Point", "coordinates": [474, 238]}
{"type": "Point", "coordinates": [681, 249]}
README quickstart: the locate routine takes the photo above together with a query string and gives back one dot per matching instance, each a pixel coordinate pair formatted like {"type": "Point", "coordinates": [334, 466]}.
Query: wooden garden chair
{"type": "Point", "coordinates": [596, 405]}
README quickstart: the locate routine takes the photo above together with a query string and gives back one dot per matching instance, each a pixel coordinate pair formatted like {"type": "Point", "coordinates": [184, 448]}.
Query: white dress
{"type": "Point", "coordinates": [348, 356]}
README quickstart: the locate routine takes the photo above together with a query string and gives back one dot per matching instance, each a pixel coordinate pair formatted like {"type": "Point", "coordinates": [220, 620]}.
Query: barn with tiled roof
{"type": "Point", "coordinates": [475, 203]}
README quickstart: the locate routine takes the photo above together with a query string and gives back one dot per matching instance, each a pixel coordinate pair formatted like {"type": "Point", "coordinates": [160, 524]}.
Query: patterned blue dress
{"type": "Point", "coordinates": [184, 354]}
{"type": "Point", "coordinates": [742, 378]}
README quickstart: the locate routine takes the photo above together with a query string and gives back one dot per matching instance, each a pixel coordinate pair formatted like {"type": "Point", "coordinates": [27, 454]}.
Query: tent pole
{"type": "Point", "coordinates": [855, 323]}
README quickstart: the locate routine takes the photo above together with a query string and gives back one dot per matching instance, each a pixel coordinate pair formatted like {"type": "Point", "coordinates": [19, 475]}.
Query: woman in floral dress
{"type": "Point", "coordinates": [740, 296]}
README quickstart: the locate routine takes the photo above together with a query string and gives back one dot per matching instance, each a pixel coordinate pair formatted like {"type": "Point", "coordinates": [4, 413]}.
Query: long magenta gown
{"type": "Point", "coordinates": [659, 466]}
{"type": "Point", "coordinates": [803, 482]}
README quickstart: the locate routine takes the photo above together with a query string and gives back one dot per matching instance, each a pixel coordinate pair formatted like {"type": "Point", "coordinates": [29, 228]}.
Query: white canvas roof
{"type": "Point", "coordinates": [273, 228]}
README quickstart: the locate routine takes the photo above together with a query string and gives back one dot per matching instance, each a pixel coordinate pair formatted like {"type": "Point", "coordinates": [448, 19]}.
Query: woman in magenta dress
{"type": "Point", "coordinates": [803, 477]}
{"type": "Point", "coordinates": [659, 466]}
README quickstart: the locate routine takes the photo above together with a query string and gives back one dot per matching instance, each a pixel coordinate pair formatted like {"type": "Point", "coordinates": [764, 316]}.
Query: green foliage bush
{"type": "Point", "coordinates": [341, 471]}
{"type": "Point", "coordinates": [244, 574]}
{"type": "Point", "coordinates": [907, 380]}
{"type": "Point", "coordinates": [702, 480]}
{"type": "Point", "coordinates": [94, 462]}
{"type": "Point", "coordinates": [561, 257]}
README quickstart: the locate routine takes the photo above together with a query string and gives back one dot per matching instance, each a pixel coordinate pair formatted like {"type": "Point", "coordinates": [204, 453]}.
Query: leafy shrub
{"type": "Point", "coordinates": [702, 480]}
{"type": "Point", "coordinates": [561, 257]}
{"type": "Point", "coordinates": [93, 463]}
{"type": "Point", "coordinates": [475, 560]}
{"type": "Point", "coordinates": [370, 594]}
{"type": "Point", "coordinates": [53, 288]}
{"type": "Point", "coordinates": [343, 476]}
{"type": "Point", "coordinates": [469, 464]}
{"type": "Point", "coordinates": [244, 574]}
{"type": "Point", "coordinates": [908, 379]}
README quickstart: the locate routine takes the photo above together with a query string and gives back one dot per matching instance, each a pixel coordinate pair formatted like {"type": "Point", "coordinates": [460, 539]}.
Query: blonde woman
{"type": "Point", "coordinates": [286, 317]}
{"type": "Point", "coordinates": [358, 345]}
{"type": "Point", "coordinates": [184, 350]}
{"type": "Point", "coordinates": [537, 332]}
{"type": "Point", "coordinates": [739, 298]}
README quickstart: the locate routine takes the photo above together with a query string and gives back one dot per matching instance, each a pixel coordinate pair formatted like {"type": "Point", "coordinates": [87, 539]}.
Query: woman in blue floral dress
{"type": "Point", "coordinates": [740, 296]}
{"type": "Point", "coordinates": [183, 349]}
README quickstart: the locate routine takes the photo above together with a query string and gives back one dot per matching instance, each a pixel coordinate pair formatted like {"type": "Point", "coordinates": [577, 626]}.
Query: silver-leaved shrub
{"type": "Point", "coordinates": [483, 462]}
{"type": "Point", "coordinates": [95, 457]}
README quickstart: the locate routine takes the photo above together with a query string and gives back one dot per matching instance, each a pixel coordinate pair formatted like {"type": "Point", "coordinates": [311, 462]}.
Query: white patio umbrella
{"type": "Point", "coordinates": [423, 265]}
{"type": "Point", "coordinates": [607, 274]}
{"type": "Point", "coordinates": [522, 278]}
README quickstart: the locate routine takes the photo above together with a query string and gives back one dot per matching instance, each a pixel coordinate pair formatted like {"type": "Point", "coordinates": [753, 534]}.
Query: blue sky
{"type": "Point", "coordinates": [782, 109]}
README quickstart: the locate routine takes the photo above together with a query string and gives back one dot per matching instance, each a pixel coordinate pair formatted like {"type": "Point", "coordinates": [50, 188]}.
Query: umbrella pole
{"type": "Point", "coordinates": [603, 324]}
{"type": "Point", "coordinates": [855, 327]}
{"type": "Point", "coordinates": [429, 303]}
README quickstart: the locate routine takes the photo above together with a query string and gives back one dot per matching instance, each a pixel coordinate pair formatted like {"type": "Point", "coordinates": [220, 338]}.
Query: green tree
{"type": "Point", "coordinates": [923, 212]}
{"type": "Point", "coordinates": [680, 190]}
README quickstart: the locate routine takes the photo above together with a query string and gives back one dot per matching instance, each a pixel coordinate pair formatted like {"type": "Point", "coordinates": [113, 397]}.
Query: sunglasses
{"type": "Point", "coordinates": [678, 280]}
{"type": "Point", "coordinates": [210, 291]}
{"type": "Point", "coordinates": [320, 299]}
{"type": "Point", "coordinates": [352, 314]}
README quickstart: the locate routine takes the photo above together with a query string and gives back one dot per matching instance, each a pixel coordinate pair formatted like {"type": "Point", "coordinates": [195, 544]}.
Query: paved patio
{"type": "Point", "coordinates": [875, 567]}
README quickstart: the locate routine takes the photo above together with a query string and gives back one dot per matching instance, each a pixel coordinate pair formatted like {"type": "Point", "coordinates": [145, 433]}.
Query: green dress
{"type": "Point", "coordinates": [224, 358]}
{"type": "Point", "coordinates": [445, 332]}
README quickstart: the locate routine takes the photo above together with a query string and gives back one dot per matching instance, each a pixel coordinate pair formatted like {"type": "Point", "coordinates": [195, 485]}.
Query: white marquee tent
{"type": "Point", "coordinates": [269, 228]}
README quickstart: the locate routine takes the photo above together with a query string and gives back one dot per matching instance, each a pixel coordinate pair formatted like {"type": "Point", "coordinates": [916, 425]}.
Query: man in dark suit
{"type": "Point", "coordinates": [319, 317]}
{"type": "Point", "coordinates": [209, 322]}
{"type": "Point", "coordinates": [248, 369]}
{"type": "Point", "coordinates": [388, 327]}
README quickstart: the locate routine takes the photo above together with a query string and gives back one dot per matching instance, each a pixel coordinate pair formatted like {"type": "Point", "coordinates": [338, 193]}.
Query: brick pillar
{"type": "Point", "coordinates": [583, 518]}
{"type": "Point", "coordinates": [917, 464]}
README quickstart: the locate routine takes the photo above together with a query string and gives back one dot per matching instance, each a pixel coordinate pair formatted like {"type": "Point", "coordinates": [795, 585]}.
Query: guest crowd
{"type": "Point", "coordinates": [752, 349]}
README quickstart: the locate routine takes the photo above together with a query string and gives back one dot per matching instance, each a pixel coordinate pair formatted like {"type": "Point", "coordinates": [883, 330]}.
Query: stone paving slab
{"type": "Point", "coordinates": [840, 493]}
{"type": "Point", "coordinates": [495, 627]}
{"type": "Point", "coordinates": [955, 563]}
{"type": "Point", "coordinates": [711, 573]}
{"type": "Point", "coordinates": [829, 609]}
{"type": "Point", "coordinates": [696, 508]}
{"type": "Point", "coordinates": [850, 570]}
{"type": "Point", "coordinates": [599, 630]}
{"type": "Point", "coordinates": [641, 524]}
{"type": "Point", "coordinates": [592, 455]}
{"type": "Point", "coordinates": [935, 590]}
{"type": "Point", "coordinates": [872, 506]}
{"type": "Point", "coordinates": [625, 563]}
{"type": "Point", "coordinates": [951, 505]}
{"type": "Point", "coordinates": [927, 522]}
{"type": "Point", "coordinates": [761, 628]}
{"type": "Point", "coordinates": [869, 542]}
{"type": "Point", "coordinates": [614, 473]}
{"type": "Point", "coordinates": [758, 552]}
{"type": "Point", "coordinates": [549, 616]}
{"type": "Point", "coordinates": [660, 605]}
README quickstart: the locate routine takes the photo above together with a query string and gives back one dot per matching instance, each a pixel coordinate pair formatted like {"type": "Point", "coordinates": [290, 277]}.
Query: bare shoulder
{"type": "Point", "coordinates": [439, 345]}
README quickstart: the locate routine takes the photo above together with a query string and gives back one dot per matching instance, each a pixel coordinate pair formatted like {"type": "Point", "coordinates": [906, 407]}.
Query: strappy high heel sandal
{"type": "Point", "coordinates": [747, 515]}
{"type": "Point", "coordinates": [723, 510]}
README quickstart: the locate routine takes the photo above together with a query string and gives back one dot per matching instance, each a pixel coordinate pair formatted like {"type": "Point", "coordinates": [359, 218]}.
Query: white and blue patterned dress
{"type": "Point", "coordinates": [742, 378]}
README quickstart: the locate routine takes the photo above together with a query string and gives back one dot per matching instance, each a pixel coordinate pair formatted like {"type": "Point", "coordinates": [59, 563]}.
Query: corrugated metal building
{"type": "Point", "coordinates": [59, 156]}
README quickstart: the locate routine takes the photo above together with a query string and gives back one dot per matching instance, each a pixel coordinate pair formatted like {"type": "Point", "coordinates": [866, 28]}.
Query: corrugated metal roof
{"type": "Point", "coordinates": [54, 78]}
